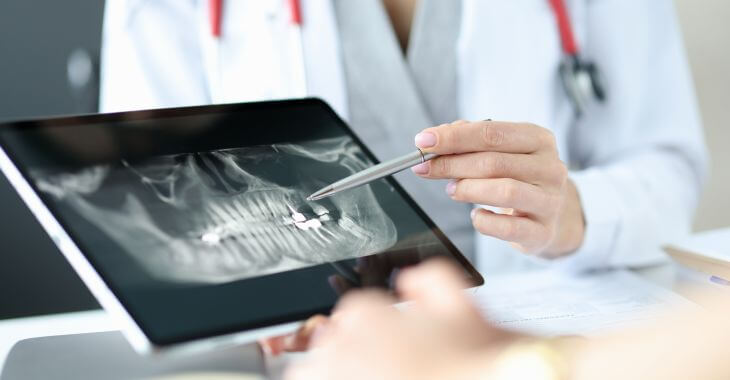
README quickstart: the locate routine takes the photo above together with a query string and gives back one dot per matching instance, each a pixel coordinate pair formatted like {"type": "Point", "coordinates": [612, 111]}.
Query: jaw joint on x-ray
{"type": "Point", "coordinates": [207, 218]}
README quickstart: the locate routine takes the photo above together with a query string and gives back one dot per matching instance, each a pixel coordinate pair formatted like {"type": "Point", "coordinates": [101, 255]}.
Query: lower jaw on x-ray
{"type": "Point", "coordinates": [226, 215]}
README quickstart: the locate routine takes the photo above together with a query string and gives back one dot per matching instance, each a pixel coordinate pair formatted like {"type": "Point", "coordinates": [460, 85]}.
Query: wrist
{"type": "Point", "coordinates": [570, 224]}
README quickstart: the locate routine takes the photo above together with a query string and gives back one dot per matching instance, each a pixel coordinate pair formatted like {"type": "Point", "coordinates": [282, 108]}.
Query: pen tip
{"type": "Point", "coordinates": [317, 195]}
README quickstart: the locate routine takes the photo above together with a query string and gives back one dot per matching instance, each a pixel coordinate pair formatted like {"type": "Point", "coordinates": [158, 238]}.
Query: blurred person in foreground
{"type": "Point", "coordinates": [440, 334]}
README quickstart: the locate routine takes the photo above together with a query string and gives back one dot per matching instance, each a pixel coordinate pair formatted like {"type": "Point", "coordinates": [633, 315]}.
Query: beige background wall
{"type": "Point", "coordinates": [707, 39]}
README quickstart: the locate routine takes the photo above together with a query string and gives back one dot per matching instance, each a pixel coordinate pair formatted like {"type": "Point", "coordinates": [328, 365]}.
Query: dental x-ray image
{"type": "Point", "coordinates": [229, 214]}
{"type": "Point", "coordinates": [196, 218]}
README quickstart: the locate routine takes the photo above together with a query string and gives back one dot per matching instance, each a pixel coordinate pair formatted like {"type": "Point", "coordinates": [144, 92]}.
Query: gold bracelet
{"type": "Point", "coordinates": [539, 359]}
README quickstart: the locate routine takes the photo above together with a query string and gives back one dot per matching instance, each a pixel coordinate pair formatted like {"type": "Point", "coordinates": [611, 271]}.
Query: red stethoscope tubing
{"type": "Point", "coordinates": [567, 38]}
{"type": "Point", "coordinates": [216, 15]}
{"type": "Point", "coordinates": [295, 10]}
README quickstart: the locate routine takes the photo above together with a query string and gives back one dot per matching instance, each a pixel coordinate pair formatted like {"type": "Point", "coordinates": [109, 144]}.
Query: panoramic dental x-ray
{"type": "Point", "coordinates": [220, 216]}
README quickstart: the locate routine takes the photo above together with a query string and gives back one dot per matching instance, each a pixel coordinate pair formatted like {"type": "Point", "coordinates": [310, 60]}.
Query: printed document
{"type": "Point", "coordinates": [553, 303]}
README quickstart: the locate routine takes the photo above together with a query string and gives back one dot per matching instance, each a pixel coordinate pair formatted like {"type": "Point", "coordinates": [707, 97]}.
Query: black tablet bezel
{"type": "Point", "coordinates": [152, 114]}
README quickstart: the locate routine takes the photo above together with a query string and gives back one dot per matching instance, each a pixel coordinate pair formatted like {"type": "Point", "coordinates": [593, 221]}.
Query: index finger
{"type": "Point", "coordinates": [484, 136]}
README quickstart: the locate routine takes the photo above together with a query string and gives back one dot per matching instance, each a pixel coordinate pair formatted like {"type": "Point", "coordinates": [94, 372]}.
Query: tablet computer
{"type": "Point", "coordinates": [191, 225]}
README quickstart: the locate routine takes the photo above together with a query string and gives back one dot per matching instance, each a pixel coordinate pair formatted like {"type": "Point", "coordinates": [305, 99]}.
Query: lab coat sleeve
{"type": "Point", "coordinates": [151, 56]}
{"type": "Point", "coordinates": [642, 154]}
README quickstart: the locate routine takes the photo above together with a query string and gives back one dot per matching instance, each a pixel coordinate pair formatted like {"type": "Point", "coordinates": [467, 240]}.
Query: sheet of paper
{"type": "Point", "coordinates": [714, 244]}
{"type": "Point", "coordinates": [553, 303]}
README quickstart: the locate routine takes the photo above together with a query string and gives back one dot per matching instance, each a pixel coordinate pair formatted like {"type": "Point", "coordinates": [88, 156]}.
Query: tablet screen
{"type": "Point", "coordinates": [198, 221]}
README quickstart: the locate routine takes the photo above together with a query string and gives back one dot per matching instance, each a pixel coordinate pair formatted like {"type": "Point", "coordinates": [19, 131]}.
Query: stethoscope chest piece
{"type": "Point", "coordinates": [583, 83]}
{"type": "Point", "coordinates": [581, 79]}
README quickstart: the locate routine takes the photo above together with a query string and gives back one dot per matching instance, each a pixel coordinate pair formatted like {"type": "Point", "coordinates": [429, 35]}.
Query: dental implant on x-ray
{"type": "Point", "coordinates": [226, 215]}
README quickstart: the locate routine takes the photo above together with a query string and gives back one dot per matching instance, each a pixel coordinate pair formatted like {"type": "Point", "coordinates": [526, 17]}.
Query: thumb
{"type": "Point", "coordinates": [437, 285]}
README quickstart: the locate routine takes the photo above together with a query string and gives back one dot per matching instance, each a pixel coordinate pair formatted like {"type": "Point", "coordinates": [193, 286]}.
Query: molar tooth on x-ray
{"type": "Point", "coordinates": [217, 216]}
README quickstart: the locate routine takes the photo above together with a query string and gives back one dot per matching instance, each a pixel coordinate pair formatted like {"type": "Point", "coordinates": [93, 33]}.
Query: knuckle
{"type": "Point", "coordinates": [492, 136]}
{"type": "Point", "coordinates": [498, 165]}
{"type": "Point", "coordinates": [547, 137]}
{"type": "Point", "coordinates": [483, 166]}
{"type": "Point", "coordinates": [559, 173]}
{"type": "Point", "coordinates": [509, 191]}
{"type": "Point", "coordinates": [440, 167]}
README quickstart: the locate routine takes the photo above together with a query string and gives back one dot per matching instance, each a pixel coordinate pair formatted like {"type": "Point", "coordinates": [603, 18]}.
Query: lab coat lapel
{"type": "Point", "coordinates": [432, 57]}
{"type": "Point", "coordinates": [386, 109]}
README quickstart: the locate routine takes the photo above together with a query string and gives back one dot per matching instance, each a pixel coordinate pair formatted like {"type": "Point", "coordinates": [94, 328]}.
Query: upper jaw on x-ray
{"type": "Point", "coordinates": [216, 216]}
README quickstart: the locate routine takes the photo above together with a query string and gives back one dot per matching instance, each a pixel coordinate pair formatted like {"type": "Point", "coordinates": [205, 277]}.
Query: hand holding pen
{"type": "Point", "coordinates": [512, 166]}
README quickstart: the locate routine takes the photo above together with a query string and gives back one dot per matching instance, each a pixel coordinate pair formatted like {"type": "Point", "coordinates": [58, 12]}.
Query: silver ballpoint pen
{"type": "Point", "coordinates": [373, 173]}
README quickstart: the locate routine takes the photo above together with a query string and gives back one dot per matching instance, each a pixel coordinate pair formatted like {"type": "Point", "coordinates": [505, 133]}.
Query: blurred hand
{"type": "Point", "coordinates": [514, 166]}
{"type": "Point", "coordinates": [372, 271]}
{"type": "Point", "coordinates": [439, 335]}
{"type": "Point", "coordinates": [296, 341]}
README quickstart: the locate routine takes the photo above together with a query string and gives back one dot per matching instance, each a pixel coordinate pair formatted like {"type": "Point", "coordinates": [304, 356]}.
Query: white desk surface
{"type": "Point", "coordinates": [14, 330]}
{"type": "Point", "coordinates": [668, 275]}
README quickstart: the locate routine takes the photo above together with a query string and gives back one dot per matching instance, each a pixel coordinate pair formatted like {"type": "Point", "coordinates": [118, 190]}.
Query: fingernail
{"type": "Point", "coordinates": [420, 168]}
{"type": "Point", "coordinates": [425, 140]}
{"type": "Point", "coordinates": [451, 187]}
{"type": "Point", "coordinates": [473, 213]}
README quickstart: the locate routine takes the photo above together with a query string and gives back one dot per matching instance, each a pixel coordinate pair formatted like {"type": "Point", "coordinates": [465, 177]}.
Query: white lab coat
{"type": "Point", "coordinates": [638, 160]}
